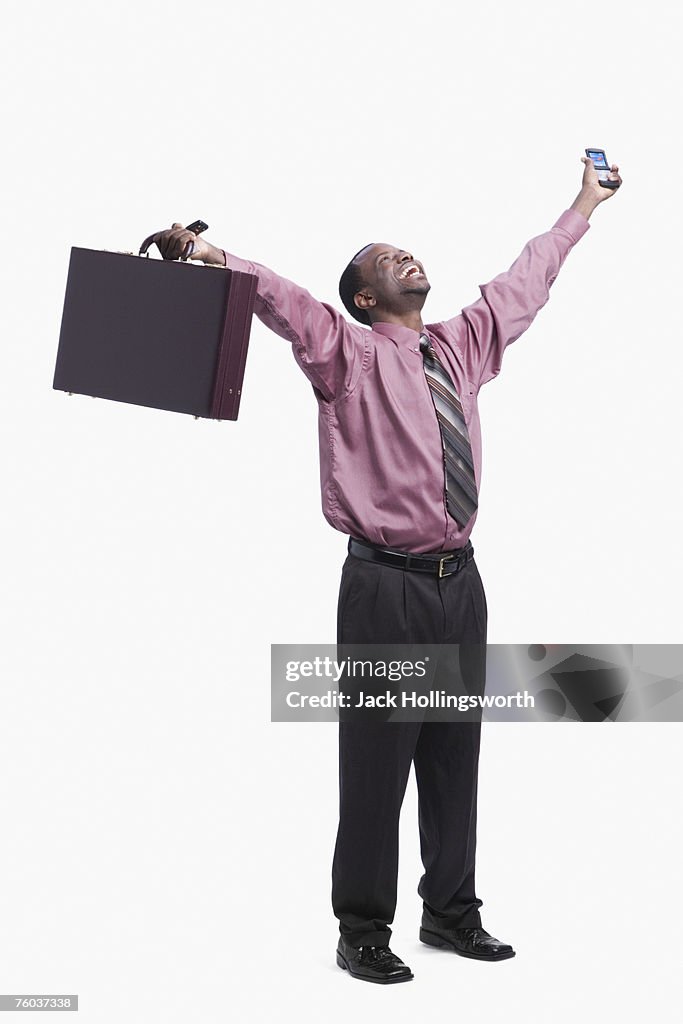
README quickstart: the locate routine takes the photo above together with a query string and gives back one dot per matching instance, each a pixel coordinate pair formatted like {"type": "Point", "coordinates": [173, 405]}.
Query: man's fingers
{"type": "Point", "coordinates": [176, 242]}
{"type": "Point", "coordinates": [183, 246]}
{"type": "Point", "coordinates": [179, 246]}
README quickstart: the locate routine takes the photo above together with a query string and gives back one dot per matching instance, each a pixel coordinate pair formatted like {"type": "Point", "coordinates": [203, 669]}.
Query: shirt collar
{"type": "Point", "coordinates": [399, 333]}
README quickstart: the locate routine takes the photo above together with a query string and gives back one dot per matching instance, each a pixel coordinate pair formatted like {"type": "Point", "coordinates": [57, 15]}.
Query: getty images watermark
{"type": "Point", "coordinates": [471, 682]}
{"type": "Point", "coordinates": [374, 671]}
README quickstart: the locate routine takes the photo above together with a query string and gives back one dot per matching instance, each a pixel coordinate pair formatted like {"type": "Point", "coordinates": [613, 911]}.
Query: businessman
{"type": "Point", "coordinates": [400, 465]}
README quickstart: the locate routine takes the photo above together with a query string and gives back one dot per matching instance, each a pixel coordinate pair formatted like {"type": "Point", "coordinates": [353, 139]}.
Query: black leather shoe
{"type": "Point", "coordinates": [372, 963]}
{"type": "Point", "coordinates": [472, 942]}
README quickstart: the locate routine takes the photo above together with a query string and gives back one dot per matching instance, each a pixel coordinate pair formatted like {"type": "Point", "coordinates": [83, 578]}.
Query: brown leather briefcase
{"type": "Point", "coordinates": [160, 333]}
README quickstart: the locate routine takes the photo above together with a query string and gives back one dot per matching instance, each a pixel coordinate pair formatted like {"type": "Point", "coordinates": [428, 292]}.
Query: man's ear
{"type": "Point", "coordinates": [364, 300]}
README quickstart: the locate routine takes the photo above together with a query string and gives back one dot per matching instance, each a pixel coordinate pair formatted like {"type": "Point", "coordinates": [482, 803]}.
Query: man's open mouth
{"type": "Point", "coordinates": [410, 270]}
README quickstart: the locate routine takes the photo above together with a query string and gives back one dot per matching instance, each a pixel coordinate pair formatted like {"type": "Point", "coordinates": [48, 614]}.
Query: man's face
{"type": "Point", "coordinates": [394, 280]}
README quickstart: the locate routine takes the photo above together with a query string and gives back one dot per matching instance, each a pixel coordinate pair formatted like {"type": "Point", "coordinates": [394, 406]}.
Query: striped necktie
{"type": "Point", "coordinates": [460, 484]}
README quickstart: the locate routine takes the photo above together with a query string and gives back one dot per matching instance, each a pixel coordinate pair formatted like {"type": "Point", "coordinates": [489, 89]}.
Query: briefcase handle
{"type": "Point", "coordinates": [197, 226]}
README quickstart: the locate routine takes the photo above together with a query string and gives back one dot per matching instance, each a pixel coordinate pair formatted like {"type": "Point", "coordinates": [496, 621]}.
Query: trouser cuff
{"type": "Point", "coordinates": [368, 938]}
{"type": "Point", "coordinates": [469, 917]}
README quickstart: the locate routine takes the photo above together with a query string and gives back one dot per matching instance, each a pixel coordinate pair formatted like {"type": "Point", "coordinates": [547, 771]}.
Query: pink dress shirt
{"type": "Point", "coordinates": [381, 458]}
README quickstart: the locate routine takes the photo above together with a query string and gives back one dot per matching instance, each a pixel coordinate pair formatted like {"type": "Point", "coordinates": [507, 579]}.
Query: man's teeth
{"type": "Point", "coordinates": [410, 270]}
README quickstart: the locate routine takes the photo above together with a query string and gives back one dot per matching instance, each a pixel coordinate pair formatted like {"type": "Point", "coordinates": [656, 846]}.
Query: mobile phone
{"type": "Point", "coordinates": [601, 165]}
{"type": "Point", "coordinates": [197, 226]}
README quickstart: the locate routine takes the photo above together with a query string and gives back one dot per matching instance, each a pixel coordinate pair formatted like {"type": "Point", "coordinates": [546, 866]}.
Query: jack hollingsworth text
{"type": "Point", "coordinates": [433, 699]}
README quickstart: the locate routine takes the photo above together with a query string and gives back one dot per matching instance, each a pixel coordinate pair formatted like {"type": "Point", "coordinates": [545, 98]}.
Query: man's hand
{"type": "Point", "coordinates": [179, 243]}
{"type": "Point", "coordinates": [592, 193]}
{"type": "Point", "coordinates": [591, 183]}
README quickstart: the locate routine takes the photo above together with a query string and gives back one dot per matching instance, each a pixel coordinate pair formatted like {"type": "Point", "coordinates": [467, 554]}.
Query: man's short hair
{"type": "Point", "coordinates": [351, 282]}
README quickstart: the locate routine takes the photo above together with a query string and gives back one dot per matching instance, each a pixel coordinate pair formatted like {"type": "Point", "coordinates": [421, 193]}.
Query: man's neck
{"type": "Point", "coordinates": [412, 319]}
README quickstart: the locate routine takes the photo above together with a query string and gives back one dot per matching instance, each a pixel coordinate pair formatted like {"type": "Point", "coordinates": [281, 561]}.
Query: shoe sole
{"type": "Point", "coordinates": [341, 962]}
{"type": "Point", "coordinates": [430, 939]}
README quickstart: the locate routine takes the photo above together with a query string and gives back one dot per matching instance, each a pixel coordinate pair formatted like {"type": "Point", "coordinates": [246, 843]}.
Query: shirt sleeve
{"type": "Point", "coordinates": [510, 302]}
{"type": "Point", "coordinates": [329, 349]}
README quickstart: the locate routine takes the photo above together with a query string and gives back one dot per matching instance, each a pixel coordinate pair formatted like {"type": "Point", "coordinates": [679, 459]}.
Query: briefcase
{"type": "Point", "coordinates": [158, 333]}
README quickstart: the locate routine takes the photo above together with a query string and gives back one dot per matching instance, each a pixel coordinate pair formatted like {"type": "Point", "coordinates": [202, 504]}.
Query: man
{"type": "Point", "coordinates": [400, 462]}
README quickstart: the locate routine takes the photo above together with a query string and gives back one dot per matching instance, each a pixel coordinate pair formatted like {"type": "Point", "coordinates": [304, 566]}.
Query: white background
{"type": "Point", "coordinates": [165, 849]}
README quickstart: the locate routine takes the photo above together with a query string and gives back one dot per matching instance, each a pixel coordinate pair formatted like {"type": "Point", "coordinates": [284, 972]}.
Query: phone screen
{"type": "Point", "coordinates": [598, 157]}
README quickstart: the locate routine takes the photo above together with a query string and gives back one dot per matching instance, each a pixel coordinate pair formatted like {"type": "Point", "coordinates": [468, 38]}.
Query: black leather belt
{"type": "Point", "coordinates": [445, 563]}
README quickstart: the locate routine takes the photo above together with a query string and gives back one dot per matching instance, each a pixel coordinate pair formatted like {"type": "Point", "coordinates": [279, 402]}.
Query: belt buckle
{"type": "Point", "coordinates": [446, 558]}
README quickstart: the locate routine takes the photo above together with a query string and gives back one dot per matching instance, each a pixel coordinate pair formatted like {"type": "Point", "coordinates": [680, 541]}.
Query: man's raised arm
{"type": "Point", "coordinates": [509, 303]}
{"type": "Point", "coordinates": [328, 348]}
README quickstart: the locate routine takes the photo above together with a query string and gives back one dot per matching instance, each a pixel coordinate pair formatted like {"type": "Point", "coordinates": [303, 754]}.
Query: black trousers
{"type": "Point", "coordinates": [382, 604]}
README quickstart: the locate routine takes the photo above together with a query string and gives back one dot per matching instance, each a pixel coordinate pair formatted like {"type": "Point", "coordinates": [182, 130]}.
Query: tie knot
{"type": "Point", "coordinates": [425, 343]}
